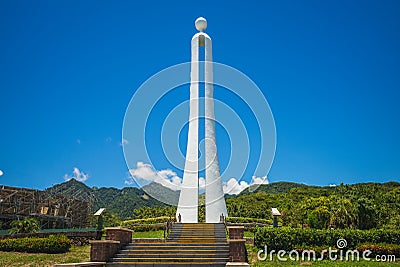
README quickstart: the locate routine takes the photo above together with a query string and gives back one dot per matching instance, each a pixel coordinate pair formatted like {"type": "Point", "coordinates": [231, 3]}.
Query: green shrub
{"type": "Point", "coordinates": [161, 219]}
{"type": "Point", "coordinates": [50, 244]}
{"type": "Point", "coordinates": [248, 220]}
{"type": "Point", "coordinates": [27, 225]}
{"type": "Point", "coordinates": [287, 238]}
{"type": "Point", "coordinates": [381, 249]}
{"type": "Point", "coordinates": [145, 225]}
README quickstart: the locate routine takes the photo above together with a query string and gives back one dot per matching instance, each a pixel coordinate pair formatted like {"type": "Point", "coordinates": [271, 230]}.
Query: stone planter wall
{"type": "Point", "coordinates": [116, 238]}
{"type": "Point", "coordinates": [103, 250]}
{"type": "Point", "coordinates": [237, 247]}
{"type": "Point", "coordinates": [123, 235]}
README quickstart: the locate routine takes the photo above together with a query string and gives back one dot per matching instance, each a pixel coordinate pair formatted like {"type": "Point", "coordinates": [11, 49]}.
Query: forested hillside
{"type": "Point", "coordinates": [120, 202]}
{"type": "Point", "coordinates": [358, 206]}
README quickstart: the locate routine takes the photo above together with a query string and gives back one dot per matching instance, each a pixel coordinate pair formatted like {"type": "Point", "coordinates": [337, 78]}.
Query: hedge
{"type": "Point", "coordinates": [161, 219]}
{"type": "Point", "coordinates": [248, 220]}
{"type": "Point", "coordinates": [288, 238]}
{"type": "Point", "coordinates": [381, 249]}
{"type": "Point", "coordinates": [145, 225]}
{"type": "Point", "coordinates": [50, 244]}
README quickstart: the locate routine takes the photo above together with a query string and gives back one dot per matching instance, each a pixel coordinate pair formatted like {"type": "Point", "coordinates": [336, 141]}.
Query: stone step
{"type": "Point", "coordinates": [191, 241]}
{"type": "Point", "coordinates": [197, 241]}
{"type": "Point", "coordinates": [165, 264]}
{"type": "Point", "coordinates": [174, 244]}
{"type": "Point", "coordinates": [205, 240]}
{"type": "Point", "coordinates": [173, 252]}
{"type": "Point", "coordinates": [176, 250]}
{"type": "Point", "coordinates": [196, 236]}
{"type": "Point", "coordinates": [163, 259]}
{"type": "Point", "coordinates": [197, 245]}
{"type": "Point", "coordinates": [197, 232]}
{"type": "Point", "coordinates": [171, 255]}
{"type": "Point", "coordinates": [199, 251]}
{"type": "Point", "coordinates": [186, 249]}
{"type": "Point", "coordinates": [198, 228]}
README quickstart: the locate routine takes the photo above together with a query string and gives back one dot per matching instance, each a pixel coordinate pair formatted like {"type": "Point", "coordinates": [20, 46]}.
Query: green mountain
{"type": "Point", "coordinates": [121, 202]}
{"type": "Point", "coordinates": [73, 189]}
{"type": "Point", "coordinates": [361, 206]}
{"type": "Point", "coordinates": [163, 193]}
{"type": "Point", "coordinates": [273, 188]}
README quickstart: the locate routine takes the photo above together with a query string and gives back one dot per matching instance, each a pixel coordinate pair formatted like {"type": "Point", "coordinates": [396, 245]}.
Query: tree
{"type": "Point", "coordinates": [319, 218]}
{"type": "Point", "coordinates": [394, 223]}
{"type": "Point", "coordinates": [343, 214]}
{"type": "Point", "coordinates": [366, 215]}
{"type": "Point", "coordinates": [110, 219]}
{"type": "Point", "coordinates": [27, 225]}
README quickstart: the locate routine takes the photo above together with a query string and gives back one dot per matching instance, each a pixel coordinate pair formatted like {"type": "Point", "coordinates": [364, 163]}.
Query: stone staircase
{"type": "Point", "coordinates": [197, 244]}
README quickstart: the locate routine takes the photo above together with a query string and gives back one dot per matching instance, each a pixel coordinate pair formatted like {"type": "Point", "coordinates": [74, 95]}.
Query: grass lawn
{"type": "Point", "coordinates": [151, 234]}
{"type": "Point", "coordinates": [76, 254]}
{"type": "Point", "coordinates": [252, 256]}
{"type": "Point", "coordinates": [327, 263]}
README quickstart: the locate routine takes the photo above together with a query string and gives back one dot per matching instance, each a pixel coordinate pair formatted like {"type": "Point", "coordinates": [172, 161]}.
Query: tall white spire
{"type": "Point", "coordinates": [187, 211]}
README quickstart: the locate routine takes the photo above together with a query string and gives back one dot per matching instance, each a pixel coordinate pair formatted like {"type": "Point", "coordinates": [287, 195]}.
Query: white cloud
{"type": "Point", "coordinates": [146, 172]}
{"type": "Point", "coordinates": [1, 172]}
{"type": "Point", "coordinates": [168, 178]}
{"type": "Point", "coordinates": [77, 175]}
{"type": "Point", "coordinates": [259, 180]}
{"type": "Point", "coordinates": [233, 187]}
{"type": "Point", "coordinates": [124, 142]}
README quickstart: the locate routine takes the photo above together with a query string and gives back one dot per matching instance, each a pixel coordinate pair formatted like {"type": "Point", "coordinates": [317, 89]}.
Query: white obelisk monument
{"type": "Point", "coordinates": [187, 211]}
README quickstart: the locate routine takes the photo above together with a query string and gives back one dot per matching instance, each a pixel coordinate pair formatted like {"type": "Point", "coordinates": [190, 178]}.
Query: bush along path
{"type": "Point", "coordinates": [50, 244]}
{"type": "Point", "coordinates": [286, 238]}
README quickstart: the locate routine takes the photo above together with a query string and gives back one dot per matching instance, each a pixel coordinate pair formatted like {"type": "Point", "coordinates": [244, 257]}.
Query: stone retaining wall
{"type": "Point", "coordinates": [123, 235]}
{"type": "Point", "coordinates": [116, 238]}
{"type": "Point", "coordinates": [103, 250]}
{"type": "Point", "coordinates": [237, 247]}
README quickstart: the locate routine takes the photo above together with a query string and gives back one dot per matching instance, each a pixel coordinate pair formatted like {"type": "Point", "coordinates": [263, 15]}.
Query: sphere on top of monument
{"type": "Point", "coordinates": [201, 24]}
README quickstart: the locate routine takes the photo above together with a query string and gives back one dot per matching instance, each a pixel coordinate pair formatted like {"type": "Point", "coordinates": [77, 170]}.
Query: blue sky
{"type": "Point", "coordinates": [330, 71]}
